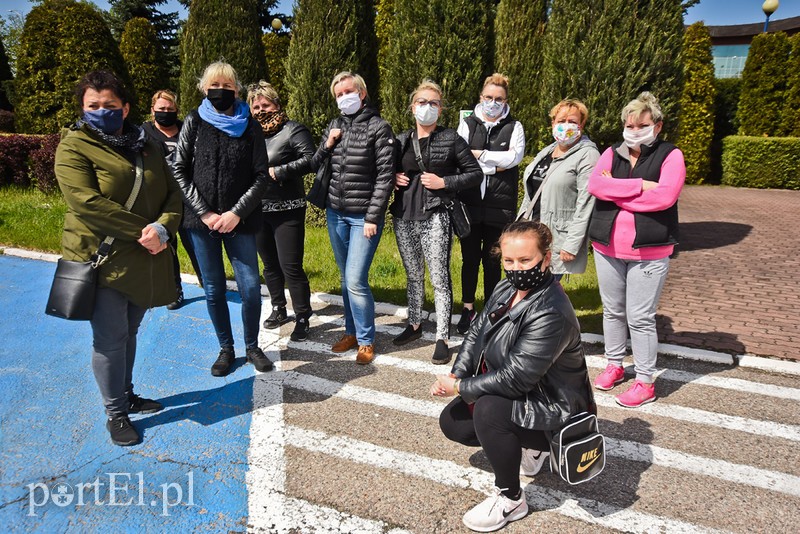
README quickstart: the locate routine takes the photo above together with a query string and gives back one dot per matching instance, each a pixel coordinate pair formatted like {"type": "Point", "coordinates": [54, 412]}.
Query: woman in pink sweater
{"type": "Point", "coordinates": [633, 230]}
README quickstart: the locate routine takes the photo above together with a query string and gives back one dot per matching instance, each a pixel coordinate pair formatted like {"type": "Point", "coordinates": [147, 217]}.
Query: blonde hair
{"type": "Point", "coordinates": [571, 103]}
{"type": "Point", "coordinates": [646, 101]}
{"type": "Point", "coordinates": [167, 95]}
{"type": "Point", "coordinates": [500, 80]}
{"type": "Point", "coordinates": [218, 69]}
{"type": "Point", "coordinates": [264, 89]}
{"type": "Point", "coordinates": [358, 81]}
{"type": "Point", "coordinates": [427, 85]}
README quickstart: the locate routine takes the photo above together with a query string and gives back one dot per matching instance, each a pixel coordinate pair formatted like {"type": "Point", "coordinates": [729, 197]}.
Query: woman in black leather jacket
{"type": "Point", "coordinates": [421, 219]}
{"type": "Point", "coordinates": [221, 166]}
{"type": "Point", "coordinates": [280, 240]}
{"type": "Point", "coordinates": [520, 372]}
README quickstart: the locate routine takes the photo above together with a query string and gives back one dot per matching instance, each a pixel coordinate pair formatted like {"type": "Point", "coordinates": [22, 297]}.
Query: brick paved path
{"type": "Point", "coordinates": [734, 285]}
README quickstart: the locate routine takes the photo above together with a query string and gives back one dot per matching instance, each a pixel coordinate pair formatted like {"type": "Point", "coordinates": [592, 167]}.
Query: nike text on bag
{"type": "Point", "coordinates": [578, 450]}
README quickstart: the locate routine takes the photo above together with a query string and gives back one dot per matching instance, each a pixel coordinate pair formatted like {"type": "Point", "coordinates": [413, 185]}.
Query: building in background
{"type": "Point", "coordinates": [730, 44]}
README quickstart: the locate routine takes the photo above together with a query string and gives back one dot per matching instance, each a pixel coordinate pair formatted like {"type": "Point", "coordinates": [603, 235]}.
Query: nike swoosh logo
{"type": "Point", "coordinates": [506, 514]}
{"type": "Point", "coordinates": [582, 468]}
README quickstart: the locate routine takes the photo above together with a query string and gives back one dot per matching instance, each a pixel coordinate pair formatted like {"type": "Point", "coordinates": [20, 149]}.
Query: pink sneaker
{"type": "Point", "coordinates": [639, 393]}
{"type": "Point", "coordinates": [609, 378]}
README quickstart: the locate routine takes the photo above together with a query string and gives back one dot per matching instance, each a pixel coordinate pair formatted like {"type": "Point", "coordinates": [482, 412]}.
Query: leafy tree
{"type": "Point", "coordinates": [519, 34]}
{"type": "Point", "coordinates": [220, 29]}
{"type": "Point", "coordinates": [10, 31]}
{"type": "Point", "coordinates": [328, 38]}
{"type": "Point", "coordinates": [791, 106]}
{"type": "Point", "coordinates": [145, 61]}
{"type": "Point", "coordinates": [61, 41]}
{"type": "Point", "coordinates": [606, 53]}
{"type": "Point", "coordinates": [6, 79]}
{"type": "Point", "coordinates": [764, 85]}
{"type": "Point", "coordinates": [276, 48]}
{"type": "Point", "coordinates": [697, 103]}
{"type": "Point", "coordinates": [445, 40]}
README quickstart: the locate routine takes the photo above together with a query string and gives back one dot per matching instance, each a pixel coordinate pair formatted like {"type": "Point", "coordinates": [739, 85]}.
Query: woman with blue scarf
{"type": "Point", "coordinates": [221, 166]}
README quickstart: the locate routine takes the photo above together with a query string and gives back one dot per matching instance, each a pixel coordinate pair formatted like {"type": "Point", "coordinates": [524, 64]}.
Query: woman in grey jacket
{"type": "Point", "coordinates": [561, 170]}
{"type": "Point", "coordinates": [520, 372]}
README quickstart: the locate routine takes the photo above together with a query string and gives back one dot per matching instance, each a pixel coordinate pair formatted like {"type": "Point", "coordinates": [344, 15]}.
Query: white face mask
{"type": "Point", "coordinates": [636, 138]}
{"type": "Point", "coordinates": [492, 109]}
{"type": "Point", "coordinates": [349, 103]}
{"type": "Point", "coordinates": [566, 133]}
{"type": "Point", "coordinates": [426, 115]}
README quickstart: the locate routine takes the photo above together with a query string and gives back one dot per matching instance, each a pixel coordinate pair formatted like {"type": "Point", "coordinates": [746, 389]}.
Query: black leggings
{"type": "Point", "coordinates": [476, 248]}
{"type": "Point", "coordinates": [491, 427]}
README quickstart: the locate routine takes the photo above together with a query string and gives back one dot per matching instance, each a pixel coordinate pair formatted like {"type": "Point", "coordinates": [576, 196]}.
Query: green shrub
{"type": "Point", "coordinates": [276, 47]}
{"type": "Point", "coordinates": [5, 79]}
{"type": "Point", "coordinates": [726, 102]}
{"type": "Point", "coordinates": [763, 85]}
{"type": "Point", "coordinates": [791, 104]}
{"type": "Point", "coordinates": [697, 103]}
{"type": "Point", "coordinates": [145, 59]}
{"type": "Point", "coordinates": [761, 162]}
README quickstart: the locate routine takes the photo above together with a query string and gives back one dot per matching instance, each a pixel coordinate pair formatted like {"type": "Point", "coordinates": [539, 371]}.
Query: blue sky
{"type": "Point", "coordinates": [712, 12]}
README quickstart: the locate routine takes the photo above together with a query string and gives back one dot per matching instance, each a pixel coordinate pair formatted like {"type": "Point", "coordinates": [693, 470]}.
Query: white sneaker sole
{"type": "Point", "coordinates": [516, 515]}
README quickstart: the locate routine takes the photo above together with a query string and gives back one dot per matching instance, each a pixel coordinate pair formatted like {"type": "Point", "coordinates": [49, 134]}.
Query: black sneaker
{"type": "Point", "coordinates": [178, 302]}
{"type": "Point", "coordinates": [224, 362]}
{"type": "Point", "coordinates": [256, 356]}
{"type": "Point", "coordinates": [122, 431]}
{"type": "Point", "coordinates": [408, 335]}
{"type": "Point", "coordinates": [467, 316]}
{"type": "Point", "coordinates": [441, 354]}
{"type": "Point", "coordinates": [276, 318]}
{"type": "Point", "coordinates": [300, 332]}
{"type": "Point", "coordinates": [137, 404]}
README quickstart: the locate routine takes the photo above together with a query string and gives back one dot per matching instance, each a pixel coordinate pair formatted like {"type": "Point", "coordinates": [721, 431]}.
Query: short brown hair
{"type": "Point", "coordinates": [571, 103]}
{"type": "Point", "coordinates": [100, 80]}
{"type": "Point", "coordinates": [544, 237]}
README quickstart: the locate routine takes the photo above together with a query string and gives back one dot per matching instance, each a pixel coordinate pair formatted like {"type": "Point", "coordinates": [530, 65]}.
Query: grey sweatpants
{"type": "Point", "coordinates": [115, 323]}
{"type": "Point", "coordinates": [630, 290]}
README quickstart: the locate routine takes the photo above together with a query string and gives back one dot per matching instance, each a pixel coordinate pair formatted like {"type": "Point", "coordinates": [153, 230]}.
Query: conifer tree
{"type": "Point", "coordinates": [764, 85]}
{"type": "Point", "coordinates": [697, 103]}
{"type": "Point", "coordinates": [328, 38]}
{"type": "Point", "coordinates": [606, 53]}
{"type": "Point", "coordinates": [519, 30]}
{"type": "Point", "coordinates": [145, 60]}
{"type": "Point", "coordinates": [791, 106]}
{"type": "Point", "coordinates": [276, 48]}
{"type": "Point", "coordinates": [220, 30]}
{"type": "Point", "coordinates": [6, 79]}
{"type": "Point", "coordinates": [449, 41]}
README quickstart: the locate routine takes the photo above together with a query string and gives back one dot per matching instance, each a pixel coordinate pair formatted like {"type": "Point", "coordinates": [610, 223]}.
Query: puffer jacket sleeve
{"type": "Point", "coordinates": [251, 199]}
{"type": "Point", "coordinates": [302, 144]}
{"type": "Point", "coordinates": [470, 175]}
{"type": "Point", "coordinates": [541, 338]}
{"type": "Point", "coordinates": [384, 164]}
{"type": "Point", "coordinates": [182, 167]}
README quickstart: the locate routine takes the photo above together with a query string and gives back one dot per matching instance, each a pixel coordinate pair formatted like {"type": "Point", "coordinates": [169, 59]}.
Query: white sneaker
{"type": "Point", "coordinates": [497, 510]}
{"type": "Point", "coordinates": [532, 461]}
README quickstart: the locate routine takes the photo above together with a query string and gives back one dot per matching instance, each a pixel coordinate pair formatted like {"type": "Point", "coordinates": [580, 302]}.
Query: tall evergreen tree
{"type": "Point", "coordinates": [445, 40]}
{"type": "Point", "coordinates": [220, 29]}
{"type": "Point", "coordinates": [276, 48]}
{"type": "Point", "coordinates": [791, 106]}
{"type": "Point", "coordinates": [519, 34]}
{"type": "Point", "coordinates": [606, 53]}
{"type": "Point", "coordinates": [764, 85]}
{"type": "Point", "coordinates": [145, 61]}
{"type": "Point", "coordinates": [265, 9]}
{"type": "Point", "coordinates": [62, 40]}
{"type": "Point", "coordinates": [697, 103]}
{"type": "Point", "coordinates": [6, 79]}
{"type": "Point", "coordinates": [328, 38]}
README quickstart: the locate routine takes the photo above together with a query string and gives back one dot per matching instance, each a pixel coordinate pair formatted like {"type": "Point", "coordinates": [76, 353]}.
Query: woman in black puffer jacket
{"type": "Point", "coordinates": [358, 147]}
{"type": "Point", "coordinates": [421, 219]}
{"type": "Point", "coordinates": [281, 238]}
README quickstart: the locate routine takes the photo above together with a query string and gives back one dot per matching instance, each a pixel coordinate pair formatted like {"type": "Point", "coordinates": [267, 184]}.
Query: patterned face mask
{"type": "Point", "coordinates": [566, 133]}
{"type": "Point", "coordinates": [528, 279]}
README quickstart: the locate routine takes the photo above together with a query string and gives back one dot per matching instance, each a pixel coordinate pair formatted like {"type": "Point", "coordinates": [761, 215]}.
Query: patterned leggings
{"type": "Point", "coordinates": [427, 241]}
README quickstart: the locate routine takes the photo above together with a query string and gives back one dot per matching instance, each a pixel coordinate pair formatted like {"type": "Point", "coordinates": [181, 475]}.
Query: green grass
{"type": "Point", "coordinates": [32, 220]}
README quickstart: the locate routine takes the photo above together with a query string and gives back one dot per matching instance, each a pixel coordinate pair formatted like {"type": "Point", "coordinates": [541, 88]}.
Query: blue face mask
{"type": "Point", "coordinates": [108, 121]}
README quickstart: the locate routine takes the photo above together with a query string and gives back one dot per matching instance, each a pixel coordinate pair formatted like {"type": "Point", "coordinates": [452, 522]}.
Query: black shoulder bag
{"type": "Point", "coordinates": [318, 193]}
{"type": "Point", "coordinates": [72, 294]}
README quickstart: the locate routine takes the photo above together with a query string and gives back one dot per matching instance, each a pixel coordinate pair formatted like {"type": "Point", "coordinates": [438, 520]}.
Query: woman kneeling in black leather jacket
{"type": "Point", "coordinates": [520, 372]}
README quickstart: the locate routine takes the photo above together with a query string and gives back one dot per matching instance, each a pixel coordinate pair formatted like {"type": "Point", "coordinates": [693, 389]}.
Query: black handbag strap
{"type": "Point", "coordinates": [417, 152]}
{"type": "Point", "coordinates": [104, 249]}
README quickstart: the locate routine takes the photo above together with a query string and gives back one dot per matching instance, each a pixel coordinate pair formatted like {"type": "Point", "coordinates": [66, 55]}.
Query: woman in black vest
{"type": "Point", "coordinates": [633, 230]}
{"type": "Point", "coordinates": [425, 183]}
{"type": "Point", "coordinates": [281, 238]}
{"type": "Point", "coordinates": [498, 142]}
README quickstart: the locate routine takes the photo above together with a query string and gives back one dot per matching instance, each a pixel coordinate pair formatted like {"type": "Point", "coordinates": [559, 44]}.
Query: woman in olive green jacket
{"type": "Point", "coordinates": [96, 168]}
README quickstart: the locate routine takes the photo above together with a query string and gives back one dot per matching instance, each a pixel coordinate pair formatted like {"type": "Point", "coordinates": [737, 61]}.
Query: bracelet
{"type": "Point", "coordinates": [456, 383]}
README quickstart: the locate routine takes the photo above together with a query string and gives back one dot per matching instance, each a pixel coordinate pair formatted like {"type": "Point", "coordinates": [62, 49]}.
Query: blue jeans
{"type": "Point", "coordinates": [241, 250]}
{"type": "Point", "coordinates": [354, 253]}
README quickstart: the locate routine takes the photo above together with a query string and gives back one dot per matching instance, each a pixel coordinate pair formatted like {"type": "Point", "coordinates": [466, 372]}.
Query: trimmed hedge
{"type": "Point", "coordinates": [761, 162]}
{"type": "Point", "coordinates": [27, 160]}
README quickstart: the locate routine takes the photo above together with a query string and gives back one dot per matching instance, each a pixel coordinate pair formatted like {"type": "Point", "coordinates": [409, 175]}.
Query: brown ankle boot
{"type": "Point", "coordinates": [346, 343]}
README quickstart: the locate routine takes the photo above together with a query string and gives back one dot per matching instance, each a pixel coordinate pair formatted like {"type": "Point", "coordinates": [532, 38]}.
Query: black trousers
{"type": "Point", "coordinates": [490, 427]}
{"type": "Point", "coordinates": [187, 244]}
{"type": "Point", "coordinates": [477, 248]}
{"type": "Point", "coordinates": [281, 245]}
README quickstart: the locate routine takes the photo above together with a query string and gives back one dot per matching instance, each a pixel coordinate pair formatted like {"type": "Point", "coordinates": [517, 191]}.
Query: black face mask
{"type": "Point", "coordinates": [166, 118]}
{"type": "Point", "coordinates": [529, 279]}
{"type": "Point", "coordinates": [221, 99]}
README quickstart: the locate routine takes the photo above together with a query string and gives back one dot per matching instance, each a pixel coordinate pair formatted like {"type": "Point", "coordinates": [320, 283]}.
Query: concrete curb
{"type": "Point", "coordinates": [748, 361]}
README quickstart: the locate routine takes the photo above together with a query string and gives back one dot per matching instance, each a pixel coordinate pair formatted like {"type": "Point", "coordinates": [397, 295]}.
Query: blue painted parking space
{"type": "Point", "coordinates": [60, 472]}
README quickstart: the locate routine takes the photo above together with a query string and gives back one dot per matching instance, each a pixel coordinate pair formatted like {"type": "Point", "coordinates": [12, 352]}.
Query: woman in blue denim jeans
{"type": "Point", "coordinates": [221, 166]}
{"type": "Point", "coordinates": [360, 147]}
